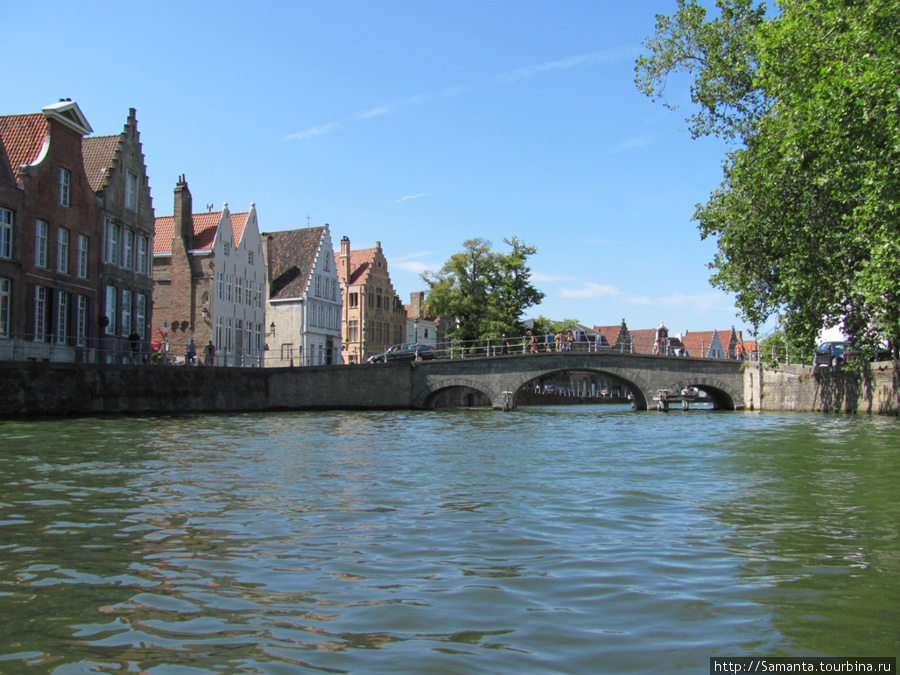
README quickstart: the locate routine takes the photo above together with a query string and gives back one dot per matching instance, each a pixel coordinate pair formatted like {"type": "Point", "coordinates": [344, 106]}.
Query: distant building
{"type": "Point", "coordinates": [209, 277]}
{"type": "Point", "coordinates": [116, 172]}
{"type": "Point", "coordinates": [374, 317]}
{"type": "Point", "coordinates": [704, 344]}
{"type": "Point", "coordinates": [421, 328]}
{"type": "Point", "coordinates": [304, 298]}
{"type": "Point", "coordinates": [49, 237]}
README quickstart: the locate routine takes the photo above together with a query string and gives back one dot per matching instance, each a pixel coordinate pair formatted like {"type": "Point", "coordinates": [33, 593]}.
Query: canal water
{"type": "Point", "coordinates": [548, 540]}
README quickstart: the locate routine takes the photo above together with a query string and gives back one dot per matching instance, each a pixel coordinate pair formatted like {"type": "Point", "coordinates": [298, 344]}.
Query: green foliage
{"type": "Point", "coordinates": [542, 325]}
{"type": "Point", "coordinates": [806, 219]}
{"type": "Point", "coordinates": [485, 291]}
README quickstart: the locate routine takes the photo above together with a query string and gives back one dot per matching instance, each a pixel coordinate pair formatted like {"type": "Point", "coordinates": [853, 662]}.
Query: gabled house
{"type": "Point", "coordinates": [209, 276]}
{"type": "Point", "coordinates": [304, 298]}
{"type": "Point", "coordinates": [374, 317]}
{"type": "Point", "coordinates": [703, 344]}
{"type": "Point", "coordinates": [49, 237]}
{"type": "Point", "coordinates": [421, 328]}
{"type": "Point", "coordinates": [115, 169]}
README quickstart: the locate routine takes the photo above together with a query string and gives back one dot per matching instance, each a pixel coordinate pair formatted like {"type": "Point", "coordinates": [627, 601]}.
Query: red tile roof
{"type": "Point", "coordinates": [292, 254]}
{"type": "Point", "coordinates": [205, 227]}
{"type": "Point", "coordinates": [23, 136]}
{"type": "Point", "coordinates": [360, 264]}
{"type": "Point", "coordinates": [98, 153]}
{"type": "Point", "coordinates": [698, 343]}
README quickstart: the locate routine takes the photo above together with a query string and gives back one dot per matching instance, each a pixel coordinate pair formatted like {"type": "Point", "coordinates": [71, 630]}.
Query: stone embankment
{"type": "Point", "coordinates": [59, 389]}
{"type": "Point", "coordinates": [804, 389]}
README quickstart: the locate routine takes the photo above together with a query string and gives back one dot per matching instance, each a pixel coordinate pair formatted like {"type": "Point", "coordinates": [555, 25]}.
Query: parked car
{"type": "Point", "coordinates": [834, 353]}
{"type": "Point", "coordinates": [402, 352]}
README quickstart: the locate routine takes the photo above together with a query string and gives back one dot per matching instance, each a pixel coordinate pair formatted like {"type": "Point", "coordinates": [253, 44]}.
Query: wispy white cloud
{"type": "Point", "coordinates": [374, 112]}
{"type": "Point", "coordinates": [641, 141]}
{"type": "Point", "coordinates": [589, 290]}
{"type": "Point", "coordinates": [411, 256]}
{"type": "Point", "coordinates": [408, 197]}
{"type": "Point", "coordinates": [698, 304]}
{"type": "Point", "coordinates": [411, 266]}
{"type": "Point", "coordinates": [602, 56]}
{"type": "Point", "coordinates": [427, 97]}
{"type": "Point", "coordinates": [550, 278]}
{"type": "Point", "coordinates": [313, 132]}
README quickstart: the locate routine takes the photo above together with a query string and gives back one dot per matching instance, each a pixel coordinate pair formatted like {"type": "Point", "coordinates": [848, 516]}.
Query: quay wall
{"type": "Point", "coordinates": [60, 389]}
{"type": "Point", "coordinates": [804, 389]}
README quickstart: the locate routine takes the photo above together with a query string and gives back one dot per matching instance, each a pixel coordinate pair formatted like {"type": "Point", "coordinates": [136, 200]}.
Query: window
{"type": "Point", "coordinates": [250, 257]}
{"type": "Point", "coordinates": [81, 318]}
{"type": "Point", "coordinates": [220, 286]}
{"type": "Point", "coordinates": [228, 334]}
{"type": "Point", "coordinates": [40, 313]}
{"type": "Point", "coordinates": [131, 190]}
{"type": "Point", "coordinates": [229, 286]}
{"type": "Point", "coordinates": [334, 289]}
{"type": "Point", "coordinates": [112, 244]}
{"type": "Point", "coordinates": [225, 248]}
{"type": "Point", "coordinates": [40, 243]}
{"type": "Point", "coordinates": [239, 290]}
{"type": "Point", "coordinates": [82, 256]}
{"type": "Point", "coordinates": [65, 181]}
{"type": "Point", "coordinates": [353, 299]}
{"type": "Point", "coordinates": [62, 317]}
{"type": "Point", "coordinates": [140, 314]}
{"type": "Point", "coordinates": [248, 294]}
{"type": "Point", "coordinates": [143, 249]}
{"type": "Point", "coordinates": [6, 225]}
{"type": "Point", "coordinates": [62, 251]}
{"type": "Point", "coordinates": [5, 298]}
{"type": "Point", "coordinates": [259, 294]}
{"type": "Point", "coordinates": [286, 349]}
{"type": "Point", "coordinates": [219, 332]}
{"type": "Point", "coordinates": [111, 310]}
{"type": "Point", "coordinates": [128, 250]}
{"type": "Point", "coordinates": [318, 286]}
{"type": "Point", "coordinates": [126, 313]}
{"type": "Point", "coordinates": [353, 331]}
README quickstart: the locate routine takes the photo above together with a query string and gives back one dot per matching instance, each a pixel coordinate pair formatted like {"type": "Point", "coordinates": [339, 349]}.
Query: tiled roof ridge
{"type": "Point", "coordinates": [101, 167]}
{"type": "Point", "coordinates": [23, 137]}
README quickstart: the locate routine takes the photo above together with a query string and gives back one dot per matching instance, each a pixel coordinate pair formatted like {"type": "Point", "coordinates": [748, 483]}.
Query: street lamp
{"type": "Point", "coordinates": [416, 323]}
{"type": "Point", "coordinates": [271, 329]}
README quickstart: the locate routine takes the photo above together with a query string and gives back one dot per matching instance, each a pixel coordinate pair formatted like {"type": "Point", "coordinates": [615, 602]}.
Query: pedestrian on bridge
{"type": "Point", "coordinates": [548, 338]}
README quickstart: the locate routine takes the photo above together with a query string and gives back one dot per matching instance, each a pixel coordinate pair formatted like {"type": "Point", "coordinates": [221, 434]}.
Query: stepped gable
{"type": "Point", "coordinates": [698, 343]}
{"type": "Point", "coordinates": [292, 255]}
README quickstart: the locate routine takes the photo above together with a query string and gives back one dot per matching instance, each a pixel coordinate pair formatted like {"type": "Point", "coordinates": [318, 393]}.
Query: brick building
{"type": "Point", "coordinates": [304, 298]}
{"type": "Point", "coordinates": [374, 317]}
{"type": "Point", "coordinates": [209, 278]}
{"type": "Point", "coordinates": [116, 171]}
{"type": "Point", "coordinates": [49, 237]}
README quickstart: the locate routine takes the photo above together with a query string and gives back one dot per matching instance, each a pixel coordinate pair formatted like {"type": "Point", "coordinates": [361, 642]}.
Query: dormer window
{"type": "Point", "coordinates": [65, 181]}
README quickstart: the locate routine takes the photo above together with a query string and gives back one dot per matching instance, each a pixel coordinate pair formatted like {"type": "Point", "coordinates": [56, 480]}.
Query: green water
{"type": "Point", "coordinates": [557, 540]}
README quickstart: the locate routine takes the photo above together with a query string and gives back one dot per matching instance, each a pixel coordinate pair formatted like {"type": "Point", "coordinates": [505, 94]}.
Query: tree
{"type": "Point", "coordinates": [485, 291]}
{"type": "Point", "coordinates": [807, 219]}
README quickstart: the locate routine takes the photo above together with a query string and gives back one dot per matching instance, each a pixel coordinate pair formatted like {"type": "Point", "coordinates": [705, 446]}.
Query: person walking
{"type": "Point", "coordinates": [190, 354]}
{"type": "Point", "coordinates": [548, 338]}
{"type": "Point", "coordinates": [210, 357]}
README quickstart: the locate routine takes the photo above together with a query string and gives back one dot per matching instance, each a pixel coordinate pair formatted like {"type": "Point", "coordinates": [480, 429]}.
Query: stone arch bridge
{"type": "Point", "coordinates": [499, 378]}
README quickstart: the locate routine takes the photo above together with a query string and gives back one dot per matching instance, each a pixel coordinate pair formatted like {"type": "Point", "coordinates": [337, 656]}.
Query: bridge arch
{"type": "Point", "coordinates": [426, 397]}
{"type": "Point", "coordinates": [717, 390]}
{"type": "Point", "coordinates": [638, 387]}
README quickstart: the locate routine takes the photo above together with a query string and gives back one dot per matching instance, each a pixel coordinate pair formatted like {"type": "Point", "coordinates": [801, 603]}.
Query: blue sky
{"type": "Point", "coordinates": [416, 124]}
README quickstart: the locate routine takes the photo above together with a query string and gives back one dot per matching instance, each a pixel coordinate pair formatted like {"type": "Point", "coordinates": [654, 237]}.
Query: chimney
{"type": "Point", "coordinates": [345, 259]}
{"type": "Point", "coordinates": [184, 223]}
{"type": "Point", "coordinates": [416, 300]}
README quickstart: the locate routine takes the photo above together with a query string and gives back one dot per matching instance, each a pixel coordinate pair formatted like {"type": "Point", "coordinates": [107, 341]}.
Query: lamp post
{"type": "Point", "coordinates": [416, 323]}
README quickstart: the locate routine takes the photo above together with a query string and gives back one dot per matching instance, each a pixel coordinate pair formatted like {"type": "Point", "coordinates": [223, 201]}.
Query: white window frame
{"type": "Point", "coordinates": [140, 314]}
{"type": "Point", "coordinates": [128, 250]}
{"type": "Point", "coordinates": [62, 250]}
{"type": "Point", "coordinates": [112, 294]}
{"type": "Point", "coordinates": [62, 317]}
{"type": "Point", "coordinates": [41, 237]}
{"type": "Point", "coordinates": [81, 319]}
{"type": "Point", "coordinates": [5, 300]}
{"type": "Point", "coordinates": [112, 243]}
{"type": "Point", "coordinates": [143, 247]}
{"type": "Point", "coordinates": [40, 313]}
{"type": "Point", "coordinates": [131, 191]}
{"type": "Point", "coordinates": [229, 287]}
{"type": "Point", "coordinates": [127, 297]}
{"type": "Point", "coordinates": [65, 185]}
{"type": "Point", "coordinates": [83, 251]}
{"type": "Point", "coordinates": [6, 233]}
